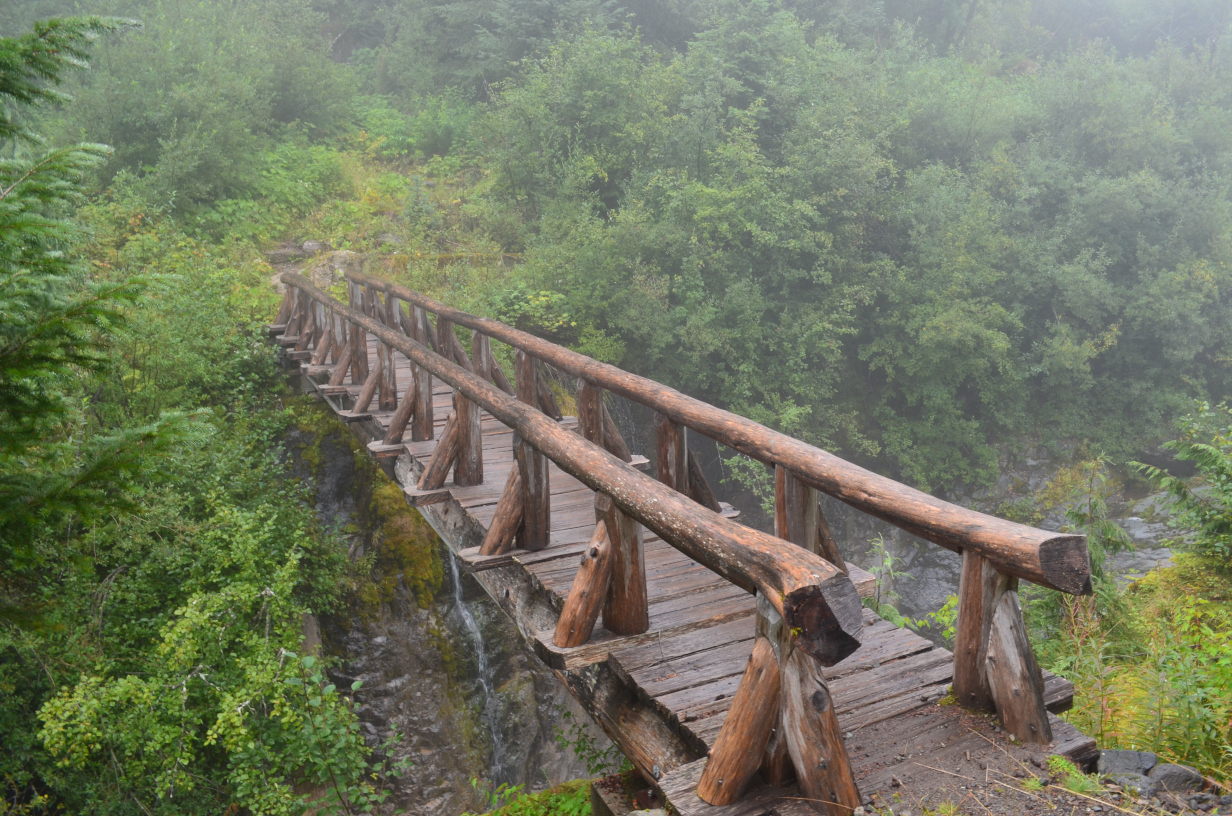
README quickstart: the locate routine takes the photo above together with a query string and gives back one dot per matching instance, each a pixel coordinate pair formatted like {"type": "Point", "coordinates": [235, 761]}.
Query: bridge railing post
{"type": "Point", "coordinates": [422, 427]}
{"type": "Point", "coordinates": [626, 608]}
{"type": "Point", "coordinates": [359, 339]}
{"type": "Point", "coordinates": [994, 665]}
{"type": "Point", "coordinates": [798, 517]}
{"type": "Point", "coordinates": [533, 465]}
{"type": "Point", "coordinates": [782, 714]}
{"type": "Point", "coordinates": [677, 465]}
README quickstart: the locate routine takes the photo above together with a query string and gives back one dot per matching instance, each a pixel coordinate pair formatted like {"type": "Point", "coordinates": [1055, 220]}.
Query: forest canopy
{"type": "Point", "coordinates": [916, 232]}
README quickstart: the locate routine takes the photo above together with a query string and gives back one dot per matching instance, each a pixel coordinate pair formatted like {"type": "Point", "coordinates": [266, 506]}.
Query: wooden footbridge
{"type": "Point", "coordinates": [736, 670]}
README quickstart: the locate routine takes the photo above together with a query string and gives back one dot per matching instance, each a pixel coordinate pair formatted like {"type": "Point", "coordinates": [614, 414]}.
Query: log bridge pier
{"type": "Point", "coordinates": [730, 666]}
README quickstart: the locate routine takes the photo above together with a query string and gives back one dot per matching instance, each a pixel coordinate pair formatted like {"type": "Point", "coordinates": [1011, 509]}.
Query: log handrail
{"type": "Point", "coordinates": [1058, 561]}
{"type": "Point", "coordinates": [817, 601]}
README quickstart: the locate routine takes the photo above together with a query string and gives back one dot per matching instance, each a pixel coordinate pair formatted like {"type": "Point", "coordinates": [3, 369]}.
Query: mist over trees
{"type": "Point", "coordinates": [912, 231]}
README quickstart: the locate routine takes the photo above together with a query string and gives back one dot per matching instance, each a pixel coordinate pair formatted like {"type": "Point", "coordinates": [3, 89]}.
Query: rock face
{"type": "Point", "coordinates": [1129, 769]}
{"type": "Point", "coordinates": [1176, 778]}
{"type": "Point", "coordinates": [1136, 762]}
{"type": "Point", "coordinates": [441, 665]}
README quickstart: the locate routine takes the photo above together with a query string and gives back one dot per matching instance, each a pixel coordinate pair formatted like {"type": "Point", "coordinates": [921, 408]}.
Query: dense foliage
{"type": "Point", "coordinates": [156, 561]}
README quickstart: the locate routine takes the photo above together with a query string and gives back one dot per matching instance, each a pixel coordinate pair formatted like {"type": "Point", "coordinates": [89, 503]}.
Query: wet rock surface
{"type": "Point", "coordinates": [449, 675]}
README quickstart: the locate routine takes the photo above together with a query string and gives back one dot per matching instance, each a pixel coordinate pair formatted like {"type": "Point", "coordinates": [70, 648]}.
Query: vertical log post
{"type": "Point", "coordinates": [798, 517]}
{"type": "Point", "coordinates": [807, 721]}
{"type": "Point", "coordinates": [626, 610]}
{"type": "Point", "coordinates": [795, 510]}
{"type": "Point", "coordinates": [470, 442]}
{"type": "Point", "coordinates": [423, 425]}
{"type": "Point", "coordinates": [389, 379]}
{"type": "Point", "coordinates": [536, 492]}
{"type": "Point", "coordinates": [392, 311]}
{"type": "Point", "coordinates": [590, 412]}
{"type": "Point", "coordinates": [481, 355]}
{"type": "Point", "coordinates": [318, 324]}
{"type": "Point", "coordinates": [994, 664]}
{"type": "Point", "coordinates": [359, 341]}
{"type": "Point", "coordinates": [336, 354]}
{"type": "Point", "coordinates": [672, 452]}
{"type": "Point", "coordinates": [977, 591]}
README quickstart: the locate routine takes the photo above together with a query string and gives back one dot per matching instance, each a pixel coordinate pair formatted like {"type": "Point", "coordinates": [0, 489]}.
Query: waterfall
{"type": "Point", "coordinates": [491, 702]}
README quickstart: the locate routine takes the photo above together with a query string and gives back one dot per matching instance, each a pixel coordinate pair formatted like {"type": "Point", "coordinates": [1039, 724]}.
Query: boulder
{"type": "Point", "coordinates": [1133, 762]}
{"type": "Point", "coordinates": [1135, 783]}
{"type": "Point", "coordinates": [332, 267]}
{"type": "Point", "coordinates": [1176, 778]}
{"type": "Point", "coordinates": [313, 247]}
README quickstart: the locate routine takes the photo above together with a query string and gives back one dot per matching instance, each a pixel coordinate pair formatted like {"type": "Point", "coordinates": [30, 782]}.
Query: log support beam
{"type": "Point", "coordinates": [533, 465]}
{"type": "Point", "coordinates": [470, 442]}
{"type": "Point", "coordinates": [994, 664]}
{"type": "Point", "coordinates": [443, 457]}
{"type": "Point", "coordinates": [741, 744]}
{"type": "Point", "coordinates": [422, 426]}
{"type": "Point", "coordinates": [323, 347]}
{"type": "Point", "coordinates": [343, 363]}
{"type": "Point", "coordinates": [388, 399]}
{"type": "Point", "coordinates": [672, 452]}
{"type": "Point", "coordinates": [369, 390]}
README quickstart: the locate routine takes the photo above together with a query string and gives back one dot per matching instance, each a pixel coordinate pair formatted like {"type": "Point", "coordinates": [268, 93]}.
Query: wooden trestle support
{"type": "Point", "coordinates": [782, 723]}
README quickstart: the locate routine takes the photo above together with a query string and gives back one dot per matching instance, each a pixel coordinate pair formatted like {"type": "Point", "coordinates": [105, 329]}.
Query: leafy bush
{"type": "Point", "coordinates": [1206, 440]}
{"type": "Point", "coordinates": [193, 100]}
{"type": "Point", "coordinates": [439, 125]}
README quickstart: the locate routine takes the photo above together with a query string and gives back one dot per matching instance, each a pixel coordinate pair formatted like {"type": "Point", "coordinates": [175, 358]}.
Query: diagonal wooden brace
{"type": "Point", "coordinates": [402, 416]}
{"type": "Point", "coordinates": [344, 363]}
{"type": "Point", "coordinates": [994, 664]}
{"type": "Point", "coordinates": [322, 349]}
{"type": "Point", "coordinates": [742, 741]}
{"type": "Point", "coordinates": [443, 457]}
{"type": "Point", "coordinates": [586, 595]}
{"type": "Point", "coordinates": [369, 390]}
{"type": "Point", "coordinates": [508, 517]}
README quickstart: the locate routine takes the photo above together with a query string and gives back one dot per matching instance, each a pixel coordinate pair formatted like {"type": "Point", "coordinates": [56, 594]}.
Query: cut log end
{"type": "Point", "coordinates": [826, 619]}
{"type": "Point", "coordinates": [1066, 562]}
